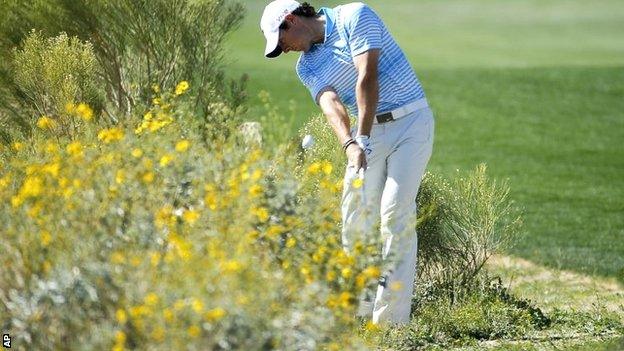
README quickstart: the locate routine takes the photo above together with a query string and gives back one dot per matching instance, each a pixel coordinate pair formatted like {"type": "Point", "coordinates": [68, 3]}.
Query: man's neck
{"type": "Point", "coordinates": [318, 28]}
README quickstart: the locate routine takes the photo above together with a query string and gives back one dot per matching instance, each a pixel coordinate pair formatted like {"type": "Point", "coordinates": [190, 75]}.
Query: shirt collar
{"type": "Point", "coordinates": [329, 21]}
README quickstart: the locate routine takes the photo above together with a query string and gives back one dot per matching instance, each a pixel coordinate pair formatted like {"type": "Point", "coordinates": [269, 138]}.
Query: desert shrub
{"type": "Point", "coordinates": [164, 241]}
{"type": "Point", "coordinates": [462, 223]}
{"type": "Point", "coordinates": [138, 44]}
{"type": "Point", "coordinates": [54, 76]}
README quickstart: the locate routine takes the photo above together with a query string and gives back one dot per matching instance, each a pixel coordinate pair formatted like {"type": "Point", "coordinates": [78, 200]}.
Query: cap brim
{"type": "Point", "coordinates": [275, 53]}
{"type": "Point", "coordinates": [272, 48]}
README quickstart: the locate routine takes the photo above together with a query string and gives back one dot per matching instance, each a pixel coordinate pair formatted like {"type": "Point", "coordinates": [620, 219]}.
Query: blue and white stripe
{"type": "Point", "coordinates": [350, 30]}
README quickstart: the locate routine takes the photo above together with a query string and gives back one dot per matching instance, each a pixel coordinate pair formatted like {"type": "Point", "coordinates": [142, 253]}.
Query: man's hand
{"type": "Point", "coordinates": [356, 157]}
{"type": "Point", "coordinates": [364, 142]}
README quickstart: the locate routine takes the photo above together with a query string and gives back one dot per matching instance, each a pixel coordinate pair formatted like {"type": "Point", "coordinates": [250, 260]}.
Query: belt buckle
{"type": "Point", "coordinates": [384, 117]}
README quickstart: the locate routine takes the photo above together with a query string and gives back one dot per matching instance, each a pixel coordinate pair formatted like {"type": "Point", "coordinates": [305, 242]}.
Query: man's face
{"type": "Point", "coordinates": [295, 37]}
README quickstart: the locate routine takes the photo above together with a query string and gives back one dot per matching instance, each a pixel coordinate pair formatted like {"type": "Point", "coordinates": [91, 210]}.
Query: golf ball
{"type": "Point", "coordinates": [307, 142]}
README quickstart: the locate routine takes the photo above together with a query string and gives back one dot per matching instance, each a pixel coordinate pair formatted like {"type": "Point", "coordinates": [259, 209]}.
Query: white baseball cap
{"type": "Point", "coordinates": [272, 18]}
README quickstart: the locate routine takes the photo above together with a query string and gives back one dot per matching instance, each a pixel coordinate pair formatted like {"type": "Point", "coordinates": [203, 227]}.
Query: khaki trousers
{"type": "Point", "coordinates": [401, 151]}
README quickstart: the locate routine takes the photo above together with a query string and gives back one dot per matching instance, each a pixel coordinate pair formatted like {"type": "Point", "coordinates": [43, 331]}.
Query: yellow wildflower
{"type": "Point", "coordinates": [190, 216]}
{"type": "Point", "coordinates": [110, 135]}
{"type": "Point", "coordinates": [120, 176]}
{"type": "Point", "coordinates": [84, 111]}
{"type": "Point", "coordinates": [52, 169]}
{"type": "Point", "coordinates": [46, 122]}
{"type": "Point", "coordinates": [194, 331]}
{"type": "Point", "coordinates": [262, 213]}
{"type": "Point", "coordinates": [372, 327]}
{"type": "Point", "coordinates": [165, 160]}
{"type": "Point", "coordinates": [74, 149]}
{"type": "Point", "coordinates": [151, 299]}
{"type": "Point", "coordinates": [164, 217]}
{"type": "Point", "coordinates": [372, 272]}
{"type": "Point", "coordinates": [211, 200]}
{"type": "Point", "coordinates": [17, 146]}
{"type": "Point", "coordinates": [136, 153]}
{"type": "Point", "coordinates": [182, 87]}
{"type": "Point", "coordinates": [138, 311]}
{"type": "Point", "coordinates": [330, 276]}
{"type": "Point", "coordinates": [121, 316]}
{"type": "Point", "coordinates": [231, 266]}
{"type": "Point", "coordinates": [314, 168]}
{"type": "Point", "coordinates": [197, 305]}
{"type": "Point", "coordinates": [182, 145]}
{"type": "Point", "coordinates": [33, 185]}
{"type": "Point", "coordinates": [332, 301]}
{"type": "Point", "coordinates": [327, 167]}
{"type": "Point", "coordinates": [245, 176]}
{"type": "Point", "coordinates": [5, 181]}
{"type": "Point", "coordinates": [147, 177]}
{"type": "Point", "coordinates": [168, 315]}
{"type": "Point", "coordinates": [117, 257]}
{"type": "Point", "coordinates": [154, 259]}
{"type": "Point", "coordinates": [215, 314]}
{"type": "Point", "coordinates": [120, 337]}
{"type": "Point", "coordinates": [291, 242]}
{"type": "Point", "coordinates": [345, 299]}
{"type": "Point", "coordinates": [257, 174]}
{"type": "Point", "coordinates": [305, 270]}
{"type": "Point", "coordinates": [357, 183]}
{"type": "Point", "coordinates": [274, 231]}
{"type": "Point", "coordinates": [46, 238]}
{"type": "Point", "coordinates": [255, 190]}
{"type": "Point", "coordinates": [346, 272]}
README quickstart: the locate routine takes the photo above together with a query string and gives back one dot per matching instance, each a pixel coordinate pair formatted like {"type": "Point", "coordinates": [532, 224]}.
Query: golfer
{"type": "Point", "coordinates": [350, 61]}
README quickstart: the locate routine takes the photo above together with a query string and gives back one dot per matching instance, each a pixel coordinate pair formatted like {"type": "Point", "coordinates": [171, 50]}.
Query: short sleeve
{"type": "Point", "coordinates": [311, 81]}
{"type": "Point", "coordinates": [365, 30]}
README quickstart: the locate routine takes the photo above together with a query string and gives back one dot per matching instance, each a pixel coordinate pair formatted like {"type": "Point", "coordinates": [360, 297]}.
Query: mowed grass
{"type": "Point", "coordinates": [535, 89]}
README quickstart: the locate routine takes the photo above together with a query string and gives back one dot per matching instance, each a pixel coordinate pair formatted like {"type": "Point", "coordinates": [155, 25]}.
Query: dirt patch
{"type": "Point", "coordinates": [554, 288]}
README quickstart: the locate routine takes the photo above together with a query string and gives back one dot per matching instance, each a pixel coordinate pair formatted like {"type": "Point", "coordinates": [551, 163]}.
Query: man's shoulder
{"type": "Point", "coordinates": [350, 9]}
{"type": "Point", "coordinates": [347, 14]}
{"type": "Point", "coordinates": [353, 6]}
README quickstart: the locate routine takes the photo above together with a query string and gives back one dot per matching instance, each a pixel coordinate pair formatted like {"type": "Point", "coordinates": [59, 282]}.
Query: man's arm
{"type": "Point", "coordinates": [336, 114]}
{"type": "Point", "coordinates": [338, 118]}
{"type": "Point", "coordinates": [367, 89]}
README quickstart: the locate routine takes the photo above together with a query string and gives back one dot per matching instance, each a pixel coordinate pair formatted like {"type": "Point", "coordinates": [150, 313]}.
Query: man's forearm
{"type": "Point", "coordinates": [367, 94]}
{"type": "Point", "coordinates": [339, 121]}
{"type": "Point", "coordinates": [337, 116]}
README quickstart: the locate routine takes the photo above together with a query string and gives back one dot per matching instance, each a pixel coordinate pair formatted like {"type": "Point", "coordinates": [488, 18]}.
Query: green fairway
{"type": "Point", "coordinates": [535, 89]}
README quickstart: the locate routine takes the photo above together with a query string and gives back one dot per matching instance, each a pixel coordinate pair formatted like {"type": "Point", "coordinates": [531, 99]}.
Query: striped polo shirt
{"type": "Point", "coordinates": [350, 30]}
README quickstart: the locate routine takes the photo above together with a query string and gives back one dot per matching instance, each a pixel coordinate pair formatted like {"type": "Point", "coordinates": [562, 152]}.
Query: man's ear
{"type": "Point", "coordinates": [291, 19]}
